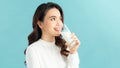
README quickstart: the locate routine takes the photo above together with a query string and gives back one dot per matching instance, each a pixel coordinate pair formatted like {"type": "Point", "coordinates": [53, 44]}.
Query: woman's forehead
{"type": "Point", "coordinates": [53, 13]}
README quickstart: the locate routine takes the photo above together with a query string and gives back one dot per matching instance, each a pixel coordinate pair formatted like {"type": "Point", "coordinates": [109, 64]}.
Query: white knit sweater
{"type": "Point", "coordinates": [44, 54]}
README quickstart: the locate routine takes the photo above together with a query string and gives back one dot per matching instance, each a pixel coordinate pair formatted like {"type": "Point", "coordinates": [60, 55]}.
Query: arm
{"type": "Point", "coordinates": [73, 58]}
{"type": "Point", "coordinates": [32, 59]}
{"type": "Point", "coordinates": [73, 61]}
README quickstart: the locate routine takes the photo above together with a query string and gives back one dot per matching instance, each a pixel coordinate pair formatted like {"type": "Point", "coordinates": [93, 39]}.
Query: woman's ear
{"type": "Point", "coordinates": [40, 24]}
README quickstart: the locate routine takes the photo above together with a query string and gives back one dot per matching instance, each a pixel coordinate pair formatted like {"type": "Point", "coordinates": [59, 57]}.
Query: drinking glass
{"type": "Point", "coordinates": [66, 35]}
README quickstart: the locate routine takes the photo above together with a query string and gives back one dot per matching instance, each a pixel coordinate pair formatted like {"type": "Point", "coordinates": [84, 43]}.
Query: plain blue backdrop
{"type": "Point", "coordinates": [95, 22]}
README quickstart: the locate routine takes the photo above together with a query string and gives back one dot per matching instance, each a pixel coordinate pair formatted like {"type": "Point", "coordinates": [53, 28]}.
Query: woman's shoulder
{"type": "Point", "coordinates": [34, 45]}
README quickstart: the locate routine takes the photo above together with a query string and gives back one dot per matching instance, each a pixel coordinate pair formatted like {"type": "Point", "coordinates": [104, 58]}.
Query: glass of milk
{"type": "Point", "coordinates": [66, 35]}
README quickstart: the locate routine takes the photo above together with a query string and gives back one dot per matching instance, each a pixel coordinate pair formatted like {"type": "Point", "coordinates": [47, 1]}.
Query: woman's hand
{"type": "Point", "coordinates": [73, 47]}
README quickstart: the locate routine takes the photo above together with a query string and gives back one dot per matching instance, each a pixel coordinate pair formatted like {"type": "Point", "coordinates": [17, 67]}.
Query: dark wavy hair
{"type": "Point", "coordinates": [36, 33]}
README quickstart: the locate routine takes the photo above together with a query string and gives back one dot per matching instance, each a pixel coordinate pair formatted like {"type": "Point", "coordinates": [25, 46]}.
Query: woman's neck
{"type": "Point", "coordinates": [48, 38]}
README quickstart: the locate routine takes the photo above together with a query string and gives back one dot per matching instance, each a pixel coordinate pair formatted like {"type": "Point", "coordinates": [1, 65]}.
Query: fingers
{"type": "Point", "coordinates": [75, 39]}
{"type": "Point", "coordinates": [74, 44]}
{"type": "Point", "coordinates": [73, 36]}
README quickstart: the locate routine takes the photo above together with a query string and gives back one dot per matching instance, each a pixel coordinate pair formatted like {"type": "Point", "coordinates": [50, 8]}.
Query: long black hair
{"type": "Point", "coordinates": [36, 33]}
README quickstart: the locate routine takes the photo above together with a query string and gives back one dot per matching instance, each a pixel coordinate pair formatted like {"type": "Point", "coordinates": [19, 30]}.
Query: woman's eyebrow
{"type": "Point", "coordinates": [52, 16]}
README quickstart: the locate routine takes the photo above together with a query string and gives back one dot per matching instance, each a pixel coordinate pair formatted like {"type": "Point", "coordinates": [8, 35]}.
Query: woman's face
{"type": "Point", "coordinates": [52, 24]}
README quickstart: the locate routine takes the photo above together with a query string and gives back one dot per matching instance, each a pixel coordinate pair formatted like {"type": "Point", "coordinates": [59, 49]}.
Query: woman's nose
{"type": "Point", "coordinates": [59, 23]}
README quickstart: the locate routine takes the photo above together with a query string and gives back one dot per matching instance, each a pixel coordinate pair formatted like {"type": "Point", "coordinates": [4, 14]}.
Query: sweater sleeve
{"type": "Point", "coordinates": [32, 59]}
{"type": "Point", "coordinates": [73, 60]}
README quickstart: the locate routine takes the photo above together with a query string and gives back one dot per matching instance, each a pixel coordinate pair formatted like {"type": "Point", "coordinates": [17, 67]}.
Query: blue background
{"type": "Point", "coordinates": [95, 22]}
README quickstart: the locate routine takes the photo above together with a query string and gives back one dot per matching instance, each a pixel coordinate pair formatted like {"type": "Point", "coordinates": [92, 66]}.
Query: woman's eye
{"type": "Point", "coordinates": [52, 19]}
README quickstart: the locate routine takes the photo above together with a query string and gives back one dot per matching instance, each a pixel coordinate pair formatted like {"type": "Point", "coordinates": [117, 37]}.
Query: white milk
{"type": "Point", "coordinates": [67, 37]}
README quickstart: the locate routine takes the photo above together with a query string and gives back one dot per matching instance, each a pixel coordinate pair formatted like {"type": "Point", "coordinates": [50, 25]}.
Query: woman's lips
{"type": "Point", "coordinates": [57, 29]}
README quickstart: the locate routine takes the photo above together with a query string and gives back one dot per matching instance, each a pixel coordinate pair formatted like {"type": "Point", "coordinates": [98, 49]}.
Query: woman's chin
{"type": "Point", "coordinates": [57, 35]}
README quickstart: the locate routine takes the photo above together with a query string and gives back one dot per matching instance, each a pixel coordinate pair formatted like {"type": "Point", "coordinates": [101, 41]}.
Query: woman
{"type": "Point", "coordinates": [46, 47]}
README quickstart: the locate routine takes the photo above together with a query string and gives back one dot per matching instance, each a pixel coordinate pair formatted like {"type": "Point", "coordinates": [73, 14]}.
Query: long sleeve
{"type": "Point", "coordinates": [42, 54]}
{"type": "Point", "coordinates": [32, 59]}
{"type": "Point", "coordinates": [73, 61]}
